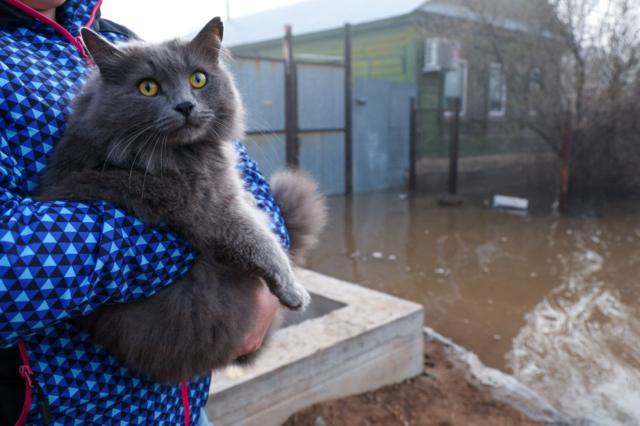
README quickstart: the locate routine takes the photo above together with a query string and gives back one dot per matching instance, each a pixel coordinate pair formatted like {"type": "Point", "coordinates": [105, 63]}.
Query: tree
{"type": "Point", "coordinates": [572, 72]}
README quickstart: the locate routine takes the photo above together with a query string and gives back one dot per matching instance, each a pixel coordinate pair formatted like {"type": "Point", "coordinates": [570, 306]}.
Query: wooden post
{"type": "Point", "coordinates": [291, 102]}
{"type": "Point", "coordinates": [454, 148]}
{"type": "Point", "coordinates": [348, 111]}
{"type": "Point", "coordinates": [413, 142]}
{"type": "Point", "coordinates": [565, 154]}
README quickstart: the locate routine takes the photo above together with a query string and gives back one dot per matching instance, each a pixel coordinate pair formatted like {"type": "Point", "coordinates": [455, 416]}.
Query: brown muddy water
{"type": "Point", "coordinates": [551, 300]}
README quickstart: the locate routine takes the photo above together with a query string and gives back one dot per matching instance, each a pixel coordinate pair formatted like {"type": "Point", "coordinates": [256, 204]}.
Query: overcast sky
{"type": "Point", "coordinates": [156, 20]}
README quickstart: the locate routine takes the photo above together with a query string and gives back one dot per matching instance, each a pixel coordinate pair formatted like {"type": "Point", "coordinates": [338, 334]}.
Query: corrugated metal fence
{"type": "Point", "coordinates": [380, 123]}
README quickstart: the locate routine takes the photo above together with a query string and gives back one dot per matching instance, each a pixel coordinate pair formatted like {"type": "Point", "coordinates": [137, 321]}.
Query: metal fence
{"type": "Point", "coordinates": [350, 135]}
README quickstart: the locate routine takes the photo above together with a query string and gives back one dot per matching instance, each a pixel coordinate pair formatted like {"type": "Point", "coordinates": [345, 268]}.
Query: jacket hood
{"type": "Point", "coordinates": [72, 15]}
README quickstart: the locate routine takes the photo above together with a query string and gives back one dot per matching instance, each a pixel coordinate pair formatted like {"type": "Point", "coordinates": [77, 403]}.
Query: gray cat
{"type": "Point", "coordinates": [152, 133]}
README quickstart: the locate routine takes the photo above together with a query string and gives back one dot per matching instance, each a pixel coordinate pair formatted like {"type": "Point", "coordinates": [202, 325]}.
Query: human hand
{"type": "Point", "coordinates": [267, 307]}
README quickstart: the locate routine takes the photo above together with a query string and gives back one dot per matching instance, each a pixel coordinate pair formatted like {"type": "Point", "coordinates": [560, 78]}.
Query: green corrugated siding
{"type": "Point", "coordinates": [384, 51]}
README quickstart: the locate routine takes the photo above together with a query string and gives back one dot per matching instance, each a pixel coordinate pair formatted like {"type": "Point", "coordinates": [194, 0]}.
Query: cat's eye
{"type": "Point", "coordinates": [148, 88]}
{"type": "Point", "coordinates": [198, 80]}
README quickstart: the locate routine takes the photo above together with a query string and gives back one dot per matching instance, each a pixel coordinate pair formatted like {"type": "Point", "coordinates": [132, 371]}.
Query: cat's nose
{"type": "Point", "coordinates": [184, 108]}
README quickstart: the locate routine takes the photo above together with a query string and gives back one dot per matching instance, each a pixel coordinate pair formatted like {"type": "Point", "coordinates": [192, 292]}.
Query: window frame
{"type": "Point", "coordinates": [503, 111]}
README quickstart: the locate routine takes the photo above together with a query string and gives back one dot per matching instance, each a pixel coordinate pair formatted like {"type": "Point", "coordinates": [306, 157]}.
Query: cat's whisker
{"type": "Point", "coordinates": [132, 136]}
{"type": "Point", "coordinates": [135, 159]}
{"type": "Point", "coordinates": [146, 169]}
{"type": "Point", "coordinates": [164, 139]}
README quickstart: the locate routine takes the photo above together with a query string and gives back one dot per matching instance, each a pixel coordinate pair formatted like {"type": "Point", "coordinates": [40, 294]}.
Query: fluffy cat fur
{"type": "Point", "coordinates": [169, 159]}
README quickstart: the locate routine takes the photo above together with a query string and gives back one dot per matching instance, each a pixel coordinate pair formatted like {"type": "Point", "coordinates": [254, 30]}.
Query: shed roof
{"type": "Point", "coordinates": [312, 16]}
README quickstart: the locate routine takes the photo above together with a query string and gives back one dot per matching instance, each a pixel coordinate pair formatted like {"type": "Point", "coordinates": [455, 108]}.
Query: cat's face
{"type": "Point", "coordinates": [176, 92]}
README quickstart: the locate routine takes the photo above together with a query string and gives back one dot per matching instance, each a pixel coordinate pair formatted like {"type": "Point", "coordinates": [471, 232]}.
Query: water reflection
{"type": "Point", "coordinates": [554, 300]}
{"type": "Point", "coordinates": [580, 344]}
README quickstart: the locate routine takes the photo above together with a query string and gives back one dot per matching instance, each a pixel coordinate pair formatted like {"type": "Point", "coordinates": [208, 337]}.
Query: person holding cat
{"type": "Point", "coordinates": [60, 260]}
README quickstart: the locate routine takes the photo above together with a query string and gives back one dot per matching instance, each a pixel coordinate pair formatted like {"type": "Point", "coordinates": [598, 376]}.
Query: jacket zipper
{"type": "Point", "coordinates": [185, 403]}
{"type": "Point", "coordinates": [31, 384]}
{"type": "Point", "coordinates": [75, 41]}
{"type": "Point", "coordinates": [25, 370]}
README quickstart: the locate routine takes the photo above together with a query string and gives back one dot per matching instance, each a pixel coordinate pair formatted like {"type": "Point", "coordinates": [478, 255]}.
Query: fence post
{"type": "Point", "coordinates": [348, 111]}
{"type": "Point", "coordinates": [454, 147]}
{"type": "Point", "coordinates": [565, 152]}
{"type": "Point", "coordinates": [413, 142]}
{"type": "Point", "coordinates": [291, 102]}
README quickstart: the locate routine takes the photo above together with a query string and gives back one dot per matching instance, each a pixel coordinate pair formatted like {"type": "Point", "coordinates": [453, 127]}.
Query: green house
{"type": "Point", "coordinates": [442, 46]}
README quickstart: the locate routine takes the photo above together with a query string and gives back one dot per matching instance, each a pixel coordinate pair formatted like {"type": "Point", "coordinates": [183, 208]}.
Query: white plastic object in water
{"type": "Point", "coordinates": [506, 202]}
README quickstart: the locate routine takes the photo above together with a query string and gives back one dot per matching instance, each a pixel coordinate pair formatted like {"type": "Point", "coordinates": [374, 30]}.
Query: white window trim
{"type": "Point", "coordinates": [465, 83]}
{"type": "Point", "coordinates": [503, 111]}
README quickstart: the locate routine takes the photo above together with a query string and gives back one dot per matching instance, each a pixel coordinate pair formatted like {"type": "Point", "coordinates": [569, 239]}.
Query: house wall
{"type": "Point", "coordinates": [393, 50]}
{"type": "Point", "coordinates": [480, 133]}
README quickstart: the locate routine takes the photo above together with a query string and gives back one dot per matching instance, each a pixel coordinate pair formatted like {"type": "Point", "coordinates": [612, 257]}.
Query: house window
{"type": "Point", "coordinates": [455, 86]}
{"type": "Point", "coordinates": [497, 91]}
{"type": "Point", "coordinates": [535, 80]}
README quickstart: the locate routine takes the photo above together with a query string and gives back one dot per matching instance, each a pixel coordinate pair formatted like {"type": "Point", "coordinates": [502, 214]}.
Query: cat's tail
{"type": "Point", "coordinates": [303, 207]}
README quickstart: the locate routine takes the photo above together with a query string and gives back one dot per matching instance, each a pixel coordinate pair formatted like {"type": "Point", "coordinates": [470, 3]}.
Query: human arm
{"type": "Point", "coordinates": [64, 259]}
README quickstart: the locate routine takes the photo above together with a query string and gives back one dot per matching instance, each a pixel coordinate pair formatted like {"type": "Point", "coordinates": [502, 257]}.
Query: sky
{"type": "Point", "coordinates": [157, 20]}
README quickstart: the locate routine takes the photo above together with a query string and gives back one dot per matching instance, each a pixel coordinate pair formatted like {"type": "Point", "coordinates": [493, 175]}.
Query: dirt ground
{"type": "Point", "coordinates": [440, 396]}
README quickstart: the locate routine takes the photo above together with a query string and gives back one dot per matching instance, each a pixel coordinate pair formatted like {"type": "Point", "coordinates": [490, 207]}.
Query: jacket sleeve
{"type": "Point", "coordinates": [64, 259]}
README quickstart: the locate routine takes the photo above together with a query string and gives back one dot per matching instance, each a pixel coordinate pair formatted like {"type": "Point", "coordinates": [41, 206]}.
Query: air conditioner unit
{"type": "Point", "coordinates": [440, 55]}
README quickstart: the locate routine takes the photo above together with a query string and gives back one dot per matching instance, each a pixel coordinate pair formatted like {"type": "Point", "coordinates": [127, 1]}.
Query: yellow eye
{"type": "Point", "coordinates": [198, 80]}
{"type": "Point", "coordinates": [148, 88]}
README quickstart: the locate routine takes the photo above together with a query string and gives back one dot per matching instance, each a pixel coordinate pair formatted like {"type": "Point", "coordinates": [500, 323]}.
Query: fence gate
{"type": "Point", "coordinates": [320, 89]}
{"type": "Point", "coordinates": [381, 134]}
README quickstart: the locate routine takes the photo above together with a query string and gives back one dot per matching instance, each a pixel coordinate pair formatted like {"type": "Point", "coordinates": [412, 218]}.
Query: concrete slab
{"type": "Point", "coordinates": [355, 341]}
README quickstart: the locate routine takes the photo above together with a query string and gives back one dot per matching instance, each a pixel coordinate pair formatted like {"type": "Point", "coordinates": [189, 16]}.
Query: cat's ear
{"type": "Point", "coordinates": [102, 52]}
{"type": "Point", "coordinates": [209, 39]}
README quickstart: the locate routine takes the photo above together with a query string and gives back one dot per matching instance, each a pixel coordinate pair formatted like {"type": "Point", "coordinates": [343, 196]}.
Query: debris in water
{"type": "Point", "coordinates": [392, 257]}
{"type": "Point", "coordinates": [377, 255]}
{"type": "Point", "coordinates": [402, 196]}
{"type": "Point", "coordinates": [497, 337]}
{"type": "Point", "coordinates": [533, 275]}
{"type": "Point", "coordinates": [441, 271]}
{"type": "Point", "coordinates": [426, 232]}
{"type": "Point", "coordinates": [513, 203]}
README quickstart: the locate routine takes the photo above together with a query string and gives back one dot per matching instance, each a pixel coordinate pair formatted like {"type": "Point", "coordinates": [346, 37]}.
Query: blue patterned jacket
{"type": "Point", "coordinates": [60, 260]}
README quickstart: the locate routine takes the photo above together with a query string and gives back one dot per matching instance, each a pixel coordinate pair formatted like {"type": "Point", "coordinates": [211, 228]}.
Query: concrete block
{"type": "Point", "coordinates": [356, 340]}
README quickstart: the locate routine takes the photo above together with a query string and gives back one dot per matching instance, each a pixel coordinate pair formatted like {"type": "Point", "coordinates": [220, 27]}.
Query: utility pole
{"type": "Point", "coordinates": [454, 148]}
{"type": "Point", "coordinates": [228, 10]}
{"type": "Point", "coordinates": [565, 156]}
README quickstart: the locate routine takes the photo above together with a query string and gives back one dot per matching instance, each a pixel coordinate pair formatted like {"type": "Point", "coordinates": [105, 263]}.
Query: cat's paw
{"type": "Point", "coordinates": [292, 295]}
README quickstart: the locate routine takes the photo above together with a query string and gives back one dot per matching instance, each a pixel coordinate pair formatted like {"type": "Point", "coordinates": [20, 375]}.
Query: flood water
{"type": "Point", "coordinates": [552, 300]}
